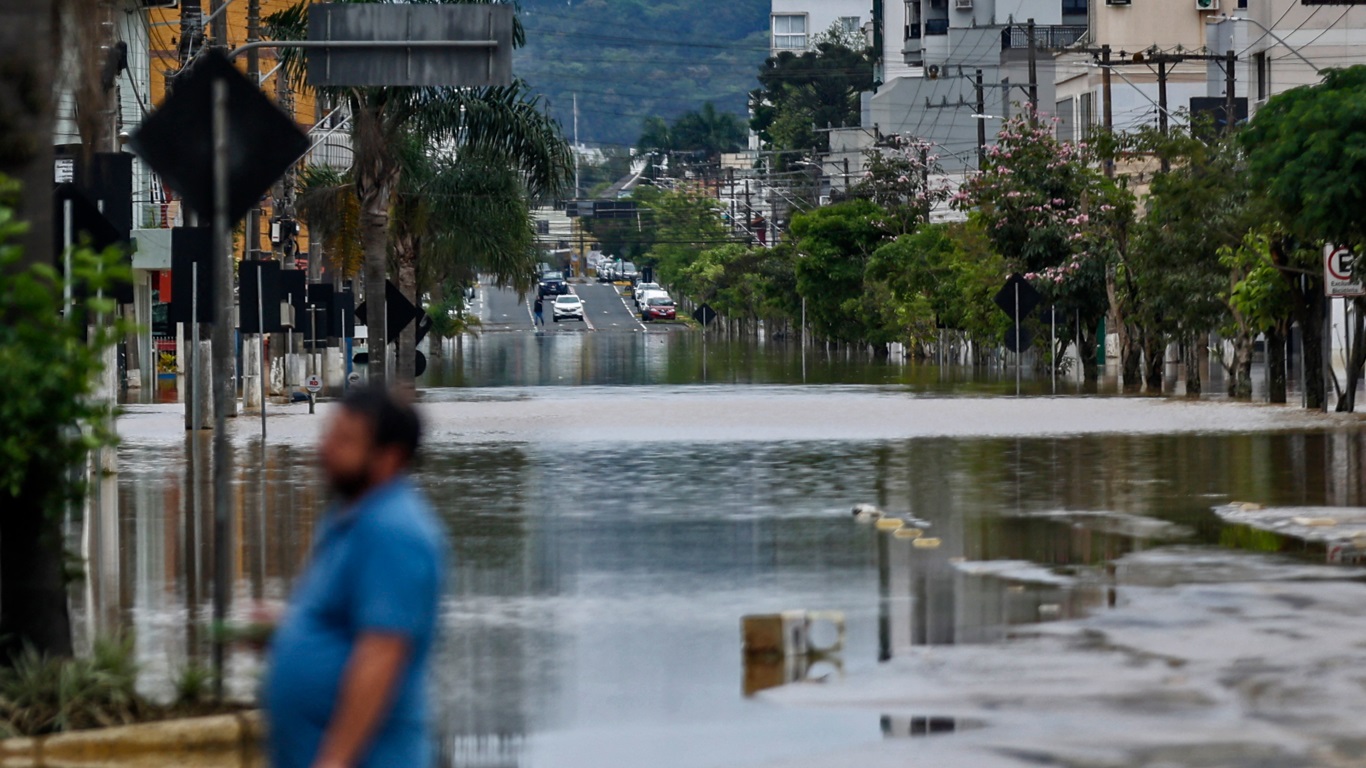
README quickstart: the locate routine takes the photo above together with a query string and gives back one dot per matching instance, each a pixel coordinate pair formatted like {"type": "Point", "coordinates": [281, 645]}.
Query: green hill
{"type": "Point", "coordinates": [632, 59]}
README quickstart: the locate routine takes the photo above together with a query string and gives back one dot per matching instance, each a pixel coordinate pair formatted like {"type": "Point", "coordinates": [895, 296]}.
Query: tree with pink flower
{"type": "Point", "coordinates": [1054, 216]}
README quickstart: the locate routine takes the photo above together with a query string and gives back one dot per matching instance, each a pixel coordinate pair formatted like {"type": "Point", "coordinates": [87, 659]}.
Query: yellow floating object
{"type": "Point", "coordinates": [907, 533]}
{"type": "Point", "coordinates": [926, 542]}
{"type": "Point", "coordinates": [1314, 522]}
{"type": "Point", "coordinates": [889, 524]}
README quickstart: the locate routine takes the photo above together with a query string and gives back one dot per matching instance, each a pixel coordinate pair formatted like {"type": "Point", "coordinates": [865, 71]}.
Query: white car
{"type": "Point", "coordinates": [643, 296]}
{"type": "Point", "coordinates": [640, 289]}
{"type": "Point", "coordinates": [567, 307]}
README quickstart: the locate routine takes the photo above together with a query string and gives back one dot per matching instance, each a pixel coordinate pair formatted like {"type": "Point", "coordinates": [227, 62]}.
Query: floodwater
{"type": "Point", "coordinates": [593, 616]}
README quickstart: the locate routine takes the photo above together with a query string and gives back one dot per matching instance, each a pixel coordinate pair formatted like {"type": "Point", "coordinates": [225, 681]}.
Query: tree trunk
{"type": "Point", "coordinates": [374, 224]}
{"type": "Point", "coordinates": [1193, 345]}
{"type": "Point", "coordinates": [1155, 354]}
{"type": "Point", "coordinates": [1275, 365]}
{"type": "Point", "coordinates": [1356, 357]}
{"type": "Point", "coordinates": [33, 599]}
{"type": "Point", "coordinates": [26, 73]}
{"type": "Point", "coordinates": [1132, 354]}
{"type": "Point", "coordinates": [405, 363]}
{"type": "Point", "coordinates": [1089, 346]}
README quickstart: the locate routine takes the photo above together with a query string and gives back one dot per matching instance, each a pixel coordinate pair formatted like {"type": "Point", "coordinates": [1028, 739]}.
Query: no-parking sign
{"type": "Point", "coordinates": [1339, 273]}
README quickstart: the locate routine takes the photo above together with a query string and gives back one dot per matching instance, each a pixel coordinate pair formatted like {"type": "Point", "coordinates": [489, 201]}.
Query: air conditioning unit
{"type": "Point", "coordinates": [932, 71]}
{"type": "Point", "coordinates": [1206, 5]}
{"type": "Point", "coordinates": [962, 5]}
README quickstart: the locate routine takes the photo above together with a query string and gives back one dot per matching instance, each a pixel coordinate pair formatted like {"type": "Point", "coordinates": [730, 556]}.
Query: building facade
{"type": "Point", "coordinates": [944, 45]}
{"type": "Point", "coordinates": [794, 25]}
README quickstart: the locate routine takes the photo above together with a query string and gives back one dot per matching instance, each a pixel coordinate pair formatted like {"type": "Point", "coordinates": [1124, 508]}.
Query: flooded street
{"type": "Point", "coordinates": [613, 520]}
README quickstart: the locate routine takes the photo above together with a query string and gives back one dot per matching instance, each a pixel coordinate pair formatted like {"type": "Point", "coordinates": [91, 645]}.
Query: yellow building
{"type": "Point", "coordinates": [323, 123]}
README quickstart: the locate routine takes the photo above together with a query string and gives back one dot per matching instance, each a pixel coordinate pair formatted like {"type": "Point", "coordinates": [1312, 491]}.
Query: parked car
{"type": "Point", "coordinates": [659, 308]}
{"type": "Point", "coordinates": [553, 284]}
{"type": "Point", "coordinates": [568, 307]}
{"type": "Point", "coordinates": [627, 271]}
{"type": "Point", "coordinates": [640, 290]}
{"type": "Point", "coordinates": [643, 296]}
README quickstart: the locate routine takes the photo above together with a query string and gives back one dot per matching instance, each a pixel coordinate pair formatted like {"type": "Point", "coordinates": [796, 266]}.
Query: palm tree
{"type": "Point", "coordinates": [504, 123]}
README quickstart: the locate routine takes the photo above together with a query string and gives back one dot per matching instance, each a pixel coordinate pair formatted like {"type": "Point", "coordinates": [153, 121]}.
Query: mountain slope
{"type": "Point", "coordinates": [632, 59]}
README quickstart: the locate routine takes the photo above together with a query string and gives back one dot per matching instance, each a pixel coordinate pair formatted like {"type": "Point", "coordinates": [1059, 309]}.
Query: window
{"type": "Point", "coordinates": [1263, 75]}
{"type": "Point", "coordinates": [789, 31]}
{"type": "Point", "coordinates": [850, 25]}
{"type": "Point", "coordinates": [936, 26]}
{"type": "Point", "coordinates": [1074, 7]}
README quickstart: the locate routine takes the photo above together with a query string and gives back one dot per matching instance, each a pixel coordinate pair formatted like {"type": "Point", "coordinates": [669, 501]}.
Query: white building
{"type": "Point", "coordinates": [795, 24]}
{"type": "Point", "coordinates": [932, 93]}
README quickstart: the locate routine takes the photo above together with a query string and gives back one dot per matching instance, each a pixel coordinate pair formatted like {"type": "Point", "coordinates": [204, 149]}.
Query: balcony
{"type": "Point", "coordinates": [1047, 37]}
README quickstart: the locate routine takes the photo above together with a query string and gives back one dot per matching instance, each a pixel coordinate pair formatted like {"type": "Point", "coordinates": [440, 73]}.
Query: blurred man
{"type": "Point", "coordinates": [347, 679]}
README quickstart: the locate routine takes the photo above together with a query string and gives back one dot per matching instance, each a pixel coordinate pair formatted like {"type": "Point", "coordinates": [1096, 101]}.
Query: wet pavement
{"type": "Point", "coordinates": [1085, 604]}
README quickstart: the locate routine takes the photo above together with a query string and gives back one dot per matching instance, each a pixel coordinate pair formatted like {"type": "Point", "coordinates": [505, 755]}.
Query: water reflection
{"type": "Point", "coordinates": [592, 615]}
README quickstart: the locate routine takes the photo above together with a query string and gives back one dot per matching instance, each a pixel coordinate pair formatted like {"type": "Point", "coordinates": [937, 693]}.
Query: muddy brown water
{"type": "Point", "coordinates": [592, 617]}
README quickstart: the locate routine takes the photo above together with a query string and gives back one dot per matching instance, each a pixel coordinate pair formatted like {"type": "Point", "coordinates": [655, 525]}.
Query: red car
{"type": "Point", "coordinates": [658, 308]}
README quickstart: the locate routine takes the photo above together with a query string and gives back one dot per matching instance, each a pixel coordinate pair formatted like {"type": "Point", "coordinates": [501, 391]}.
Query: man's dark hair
{"type": "Point", "coordinates": [395, 422]}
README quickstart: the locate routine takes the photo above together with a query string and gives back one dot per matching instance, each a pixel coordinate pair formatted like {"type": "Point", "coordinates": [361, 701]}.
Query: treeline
{"type": "Point", "coordinates": [1227, 239]}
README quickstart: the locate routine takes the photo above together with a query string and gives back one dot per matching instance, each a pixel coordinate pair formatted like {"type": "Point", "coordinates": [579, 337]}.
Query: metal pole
{"type": "Point", "coordinates": [1109, 106]}
{"type": "Point", "coordinates": [981, 124]}
{"type": "Point", "coordinates": [1230, 95]}
{"type": "Point", "coordinates": [191, 388]}
{"type": "Point", "coordinates": [261, 332]}
{"type": "Point", "coordinates": [1053, 344]}
{"type": "Point", "coordinates": [224, 387]}
{"type": "Point", "coordinates": [1018, 351]}
{"type": "Point", "coordinates": [1162, 109]}
{"type": "Point", "coordinates": [1033, 73]}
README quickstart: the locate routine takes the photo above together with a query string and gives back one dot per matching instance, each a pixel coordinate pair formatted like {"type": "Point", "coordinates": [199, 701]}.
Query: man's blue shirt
{"type": "Point", "coordinates": [378, 566]}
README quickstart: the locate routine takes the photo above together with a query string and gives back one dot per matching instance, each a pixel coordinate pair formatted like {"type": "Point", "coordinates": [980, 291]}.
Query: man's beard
{"type": "Point", "coordinates": [350, 486]}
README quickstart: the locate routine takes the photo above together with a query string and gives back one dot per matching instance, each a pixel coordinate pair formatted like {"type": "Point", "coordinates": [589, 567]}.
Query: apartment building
{"type": "Point", "coordinates": [1282, 44]}
{"type": "Point", "coordinates": [943, 45]}
{"type": "Point", "coordinates": [1134, 33]}
{"type": "Point", "coordinates": [794, 25]}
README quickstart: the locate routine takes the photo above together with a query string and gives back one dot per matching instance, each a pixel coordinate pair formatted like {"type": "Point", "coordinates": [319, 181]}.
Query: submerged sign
{"type": "Point", "coordinates": [1339, 273]}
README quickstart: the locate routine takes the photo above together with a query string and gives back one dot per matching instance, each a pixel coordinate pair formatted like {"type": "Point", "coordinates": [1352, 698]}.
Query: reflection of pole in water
{"type": "Point", "coordinates": [884, 603]}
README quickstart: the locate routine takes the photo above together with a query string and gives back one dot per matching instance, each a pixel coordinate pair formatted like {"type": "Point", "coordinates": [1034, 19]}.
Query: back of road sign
{"type": "Point", "coordinates": [485, 59]}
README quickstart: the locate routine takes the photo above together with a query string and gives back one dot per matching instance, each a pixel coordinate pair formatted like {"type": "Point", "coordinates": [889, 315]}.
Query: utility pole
{"type": "Point", "coordinates": [219, 27]}
{"type": "Point", "coordinates": [1033, 73]}
{"type": "Point", "coordinates": [578, 188]}
{"type": "Point", "coordinates": [1230, 100]}
{"type": "Point", "coordinates": [981, 124]}
{"type": "Point", "coordinates": [253, 230]}
{"type": "Point", "coordinates": [1109, 103]}
{"type": "Point", "coordinates": [1162, 109]}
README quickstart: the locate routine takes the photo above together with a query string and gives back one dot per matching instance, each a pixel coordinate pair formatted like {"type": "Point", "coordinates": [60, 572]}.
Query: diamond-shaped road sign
{"type": "Point", "coordinates": [1017, 289]}
{"type": "Point", "coordinates": [1018, 338]}
{"type": "Point", "coordinates": [704, 314]}
{"type": "Point", "coordinates": [177, 139]}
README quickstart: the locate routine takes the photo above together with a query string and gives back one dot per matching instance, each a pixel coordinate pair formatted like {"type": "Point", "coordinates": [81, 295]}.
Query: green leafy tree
{"type": "Point", "coordinates": [1172, 281]}
{"type": "Point", "coordinates": [506, 122]}
{"type": "Point", "coordinates": [903, 178]}
{"type": "Point", "coordinates": [1054, 217]}
{"type": "Point", "coordinates": [1259, 303]}
{"type": "Point", "coordinates": [835, 245]}
{"type": "Point", "coordinates": [683, 224]}
{"type": "Point", "coordinates": [49, 365]}
{"type": "Point", "coordinates": [1304, 152]}
{"type": "Point", "coordinates": [943, 276]}
{"type": "Point", "coordinates": [800, 92]}
{"type": "Point", "coordinates": [706, 132]}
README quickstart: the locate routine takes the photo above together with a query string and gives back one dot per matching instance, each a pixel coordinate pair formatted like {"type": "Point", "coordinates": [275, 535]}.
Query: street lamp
{"type": "Point", "coordinates": [976, 116]}
{"type": "Point", "coordinates": [1277, 37]}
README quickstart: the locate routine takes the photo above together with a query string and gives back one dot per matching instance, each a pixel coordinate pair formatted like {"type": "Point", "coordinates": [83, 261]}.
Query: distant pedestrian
{"type": "Point", "coordinates": [538, 312]}
{"type": "Point", "coordinates": [347, 684]}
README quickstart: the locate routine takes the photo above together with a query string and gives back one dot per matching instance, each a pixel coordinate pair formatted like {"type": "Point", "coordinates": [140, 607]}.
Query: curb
{"type": "Point", "coordinates": [221, 740]}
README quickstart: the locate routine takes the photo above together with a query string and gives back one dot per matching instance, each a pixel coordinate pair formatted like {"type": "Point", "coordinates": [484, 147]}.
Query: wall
{"type": "Point", "coordinates": [821, 14]}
